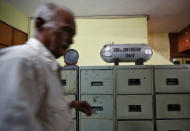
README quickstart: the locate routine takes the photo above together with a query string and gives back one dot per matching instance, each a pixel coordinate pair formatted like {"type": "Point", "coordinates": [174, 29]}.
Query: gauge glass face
{"type": "Point", "coordinates": [71, 57]}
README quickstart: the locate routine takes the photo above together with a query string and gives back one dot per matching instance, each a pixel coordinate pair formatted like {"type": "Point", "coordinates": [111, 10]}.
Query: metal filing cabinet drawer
{"type": "Point", "coordinates": [69, 81]}
{"type": "Point", "coordinates": [173, 125]}
{"type": "Point", "coordinates": [96, 125]}
{"type": "Point", "coordinates": [96, 81]}
{"type": "Point", "coordinates": [134, 81]}
{"type": "Point", "coordinates": [101, 104]}
{"type": "Point", "coordinates": [135, 126]}
{"type": "Point", "coordinates": [172, 80]}
{"type": "Point", "coordinates": [70, 98]}
{"type": "Point", "coordinates": [134, 107]}
{"type": "Point", "coordinates": [173, 106]}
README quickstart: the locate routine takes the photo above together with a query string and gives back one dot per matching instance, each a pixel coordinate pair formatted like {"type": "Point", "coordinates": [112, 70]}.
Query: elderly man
{"type": "Point", "coordinates": [30, 93]}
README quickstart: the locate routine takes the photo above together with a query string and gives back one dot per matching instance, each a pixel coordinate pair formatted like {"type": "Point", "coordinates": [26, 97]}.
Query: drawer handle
{"type": "Point", "coordinates": [134, 82]}
{"type": "Point", "coordinates": [97, 108]}
{"type": "Point", "coordinates": [174, 130]}
{"type": "Point", "coordinates": [63, 82]}
{"type": "Point", "coordinates": [174, 107]}
{"type": "Point", "coordinates": [134, 108]}
{"type": "Point", "coordinates": [172, 81]}
{"type": "Point", "coordinates": [96, 83]}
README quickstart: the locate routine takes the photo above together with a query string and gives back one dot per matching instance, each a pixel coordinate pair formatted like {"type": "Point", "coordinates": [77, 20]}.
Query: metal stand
{"type": "Point", "coordinates": [139, 62]}
{"type": "Point", "coordinates": [116, 61]}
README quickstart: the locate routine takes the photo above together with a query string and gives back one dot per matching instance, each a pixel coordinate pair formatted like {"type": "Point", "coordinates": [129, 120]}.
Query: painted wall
{"type": "Point", "coordinates": [31, 30]}
{"type": "Point", "coordinates": [13, 17]}
{"type": "Point", "coordinates": [93, 34]}
{"type": "Point", "coordinates": [160, 43]}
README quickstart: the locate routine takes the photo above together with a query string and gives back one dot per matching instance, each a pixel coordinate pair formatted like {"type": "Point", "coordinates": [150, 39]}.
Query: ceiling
{"type": "Point", "coordinates": [164, 15]}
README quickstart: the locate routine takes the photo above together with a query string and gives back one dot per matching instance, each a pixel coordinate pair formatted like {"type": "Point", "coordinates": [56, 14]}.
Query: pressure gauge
{"type": "Point", "coordinates": [71, 57]}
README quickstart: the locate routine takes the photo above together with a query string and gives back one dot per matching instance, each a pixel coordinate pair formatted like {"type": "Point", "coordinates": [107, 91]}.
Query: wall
{"type": "Point", "coordinates": [13, 17]}
{"type": "Point", "coordinates": [31, 30]}
{"type": "Point", "coordinates": [93, 34]}
{"type": "Point", "coordinates": [160, 43]}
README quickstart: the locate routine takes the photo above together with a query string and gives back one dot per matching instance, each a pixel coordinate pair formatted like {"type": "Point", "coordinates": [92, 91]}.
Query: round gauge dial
{"type": "Point", "coordinates": [71, 57]}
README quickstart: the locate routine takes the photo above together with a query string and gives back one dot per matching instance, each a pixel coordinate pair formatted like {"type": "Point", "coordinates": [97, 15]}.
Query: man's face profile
{"type": "Point", "coordinates": [59, 32]}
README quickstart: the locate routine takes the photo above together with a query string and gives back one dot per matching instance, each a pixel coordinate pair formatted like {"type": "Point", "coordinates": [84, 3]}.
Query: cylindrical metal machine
{"type": "Point", "coordinates": [126, 52]}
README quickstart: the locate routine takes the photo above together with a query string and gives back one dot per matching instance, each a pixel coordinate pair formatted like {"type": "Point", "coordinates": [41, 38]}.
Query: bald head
{"type": "Point", "coordinates": [50, 11]}
{"type": "Point", "coordinates": [55, 28]}
{"type": "Point", "coordinates": [46, 12]}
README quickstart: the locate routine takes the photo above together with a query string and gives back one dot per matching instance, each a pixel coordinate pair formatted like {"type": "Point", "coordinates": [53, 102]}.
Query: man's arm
{"type": "Point", "coordinates": [20, 95]}
{"type": "Point", "coordinates": [81, 106]}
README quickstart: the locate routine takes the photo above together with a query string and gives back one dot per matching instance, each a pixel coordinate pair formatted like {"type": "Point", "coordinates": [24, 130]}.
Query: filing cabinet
{"type": "Point", "coordinates": [102, 105]}
{"type": "Point", "coordinates": [172, 79]}
{"type": "Point", "coordinates": [173, 106]}
{"type": "Point", "coordinates": [97, 88]}
{"type": "Point", "coordinates": [96, 81]}
{"type": "Point", "coordinates": [69, 81]}
{"type": "Point", "coordinates": [96, 125]}
{"type": "Point", "coordinates": [172, 88]}
{"type": "Point", "coordinates": [134, 80]}
{"type": "Point", "coordinates": [173, 125]}
{"type": "Point", "coordinates": [71, 98]}
{"type": "Point", "coordinates": [134, 107]}
{"type": "Point", "coordinates": [136, 98]}
{"type": "Point", "coordinates": [135, 126]}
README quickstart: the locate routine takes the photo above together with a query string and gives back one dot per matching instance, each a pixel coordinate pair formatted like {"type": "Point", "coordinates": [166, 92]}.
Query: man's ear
{"type": "Point", "coordinates": [39, 23]}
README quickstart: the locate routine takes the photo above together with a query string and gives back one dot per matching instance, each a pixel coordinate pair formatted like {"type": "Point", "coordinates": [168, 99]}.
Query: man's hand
{"type": "Point", "coordinates": [81, 106]}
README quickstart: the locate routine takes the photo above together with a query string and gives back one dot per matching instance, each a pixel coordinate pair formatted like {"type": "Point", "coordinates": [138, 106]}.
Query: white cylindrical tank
{"type": "Point", "coordinates": [126, 52]}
